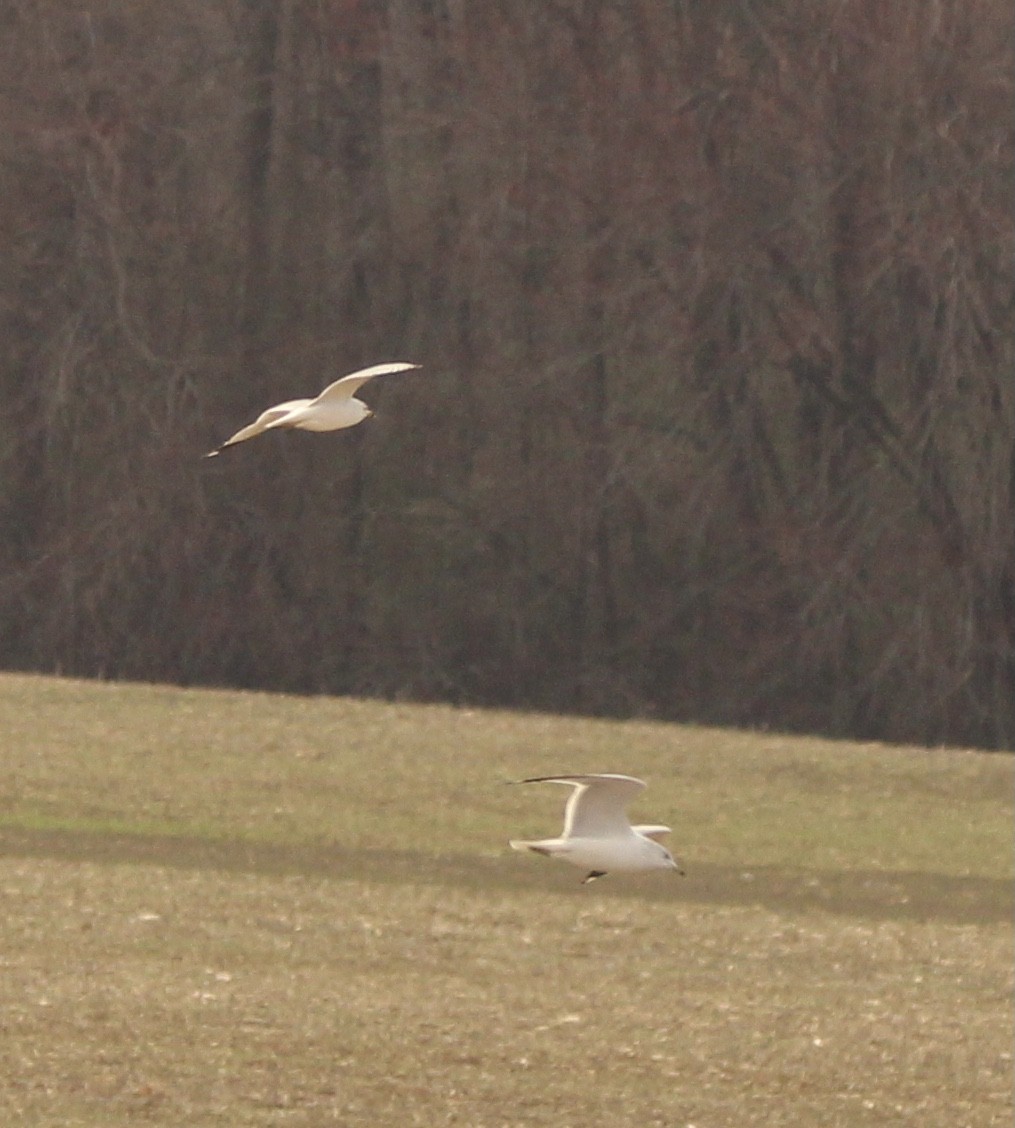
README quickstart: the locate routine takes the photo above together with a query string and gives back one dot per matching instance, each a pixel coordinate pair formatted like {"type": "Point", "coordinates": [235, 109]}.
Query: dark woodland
{"type": "Point", "coordinates": [714, 303]}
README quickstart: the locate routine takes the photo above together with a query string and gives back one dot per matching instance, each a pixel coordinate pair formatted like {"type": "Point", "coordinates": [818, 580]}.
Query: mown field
{"type": "Point", "coordinates": [241, 909]}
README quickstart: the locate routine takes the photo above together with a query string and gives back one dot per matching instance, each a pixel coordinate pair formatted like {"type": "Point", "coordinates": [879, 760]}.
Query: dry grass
{"type": "Point", "coordinates": [250, 910]}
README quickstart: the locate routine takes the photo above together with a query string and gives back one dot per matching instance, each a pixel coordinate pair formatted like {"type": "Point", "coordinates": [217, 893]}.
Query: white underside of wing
{"type": "Point", "coordinates": [349, 385]}
{"type": "Point", "coordinates": [596, 808]}
{"type": "Point", "coordinates": [273, 417]}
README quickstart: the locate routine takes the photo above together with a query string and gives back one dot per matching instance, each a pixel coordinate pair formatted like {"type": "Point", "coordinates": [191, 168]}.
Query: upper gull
{"type": "Point", "coordinates": [336, 407]}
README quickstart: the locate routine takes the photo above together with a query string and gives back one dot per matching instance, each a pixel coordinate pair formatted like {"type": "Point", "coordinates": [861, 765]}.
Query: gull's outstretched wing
{"type": "Point", "coordinates": [595, 809]}
{"type": "Point", "coordinates": [266, 420]}
{"type": "Point", "coordinates": [349, 385]}
{"type": "Point", "coordinates": [656, 832]}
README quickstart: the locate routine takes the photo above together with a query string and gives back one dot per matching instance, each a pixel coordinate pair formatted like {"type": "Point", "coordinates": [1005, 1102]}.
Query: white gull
{"type": "Point", "coordinates": [336, 407]}
{"type": "Point", "coordinates": [597, 835]}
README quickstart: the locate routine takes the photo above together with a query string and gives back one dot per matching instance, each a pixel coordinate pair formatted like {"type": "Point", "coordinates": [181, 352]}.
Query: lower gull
{"type": "Point", "coordinates": [597, 835]}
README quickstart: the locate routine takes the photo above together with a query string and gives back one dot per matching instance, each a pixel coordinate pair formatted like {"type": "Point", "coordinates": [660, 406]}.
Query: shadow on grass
{"type": "Point", "coordinates": [871, 894]}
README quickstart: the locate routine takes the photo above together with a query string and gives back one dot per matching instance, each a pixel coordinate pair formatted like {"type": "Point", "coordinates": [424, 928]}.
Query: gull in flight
{"type": "Point", "coordinates": [597, 834]}
{"type": "Point", "coordinates": [336, 407]}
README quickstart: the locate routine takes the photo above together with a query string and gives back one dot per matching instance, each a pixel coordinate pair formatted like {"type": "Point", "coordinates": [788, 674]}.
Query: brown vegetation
{"type": "Point", "coordinates": [246, 909]}
{"type": "Point", "coordinates": [715, 305]}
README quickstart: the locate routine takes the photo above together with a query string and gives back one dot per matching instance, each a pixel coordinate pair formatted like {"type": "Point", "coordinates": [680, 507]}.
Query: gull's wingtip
{"type": "Point", "coordinates": [211, 454]}
{"type": "Point", "coordinates": [394, 366]}
{"type": "Point", "coordinates": [524, 846]}
{"type": "Point", "coordinates": [564, 778]}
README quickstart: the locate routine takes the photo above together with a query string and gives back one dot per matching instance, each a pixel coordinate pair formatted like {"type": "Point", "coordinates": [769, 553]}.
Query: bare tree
{"type": "Point", "coordinates": [715, 305]}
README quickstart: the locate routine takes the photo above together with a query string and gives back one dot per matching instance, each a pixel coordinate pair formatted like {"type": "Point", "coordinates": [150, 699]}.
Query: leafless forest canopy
{"type": "Point", "coordinates": [715, 306]}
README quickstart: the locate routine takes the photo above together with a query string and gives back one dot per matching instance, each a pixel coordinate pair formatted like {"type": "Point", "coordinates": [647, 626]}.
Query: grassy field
{"type": "Point", "coordinates": [240, 909]}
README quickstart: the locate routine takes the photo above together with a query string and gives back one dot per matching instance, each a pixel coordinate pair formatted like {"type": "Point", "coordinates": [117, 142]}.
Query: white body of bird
{"type": "Point", "coordinates": [597, 835]}
{"type": "Point", "coordinates": [334, 409]}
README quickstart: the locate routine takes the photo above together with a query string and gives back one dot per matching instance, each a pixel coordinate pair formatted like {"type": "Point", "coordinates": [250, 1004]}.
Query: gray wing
{"type": "Point", "coordinates": [349, 385]}
{"type": "Point", "coordinates": [596, 807]}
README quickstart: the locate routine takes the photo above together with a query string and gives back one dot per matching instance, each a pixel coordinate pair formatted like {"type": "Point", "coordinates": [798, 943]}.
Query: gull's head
{"type": "Point", "coordinates": [654, 851]}
{"type": "Point", "coordinates": [356, 411]}
{"type": "Point", "coordinates": [665, 860]}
